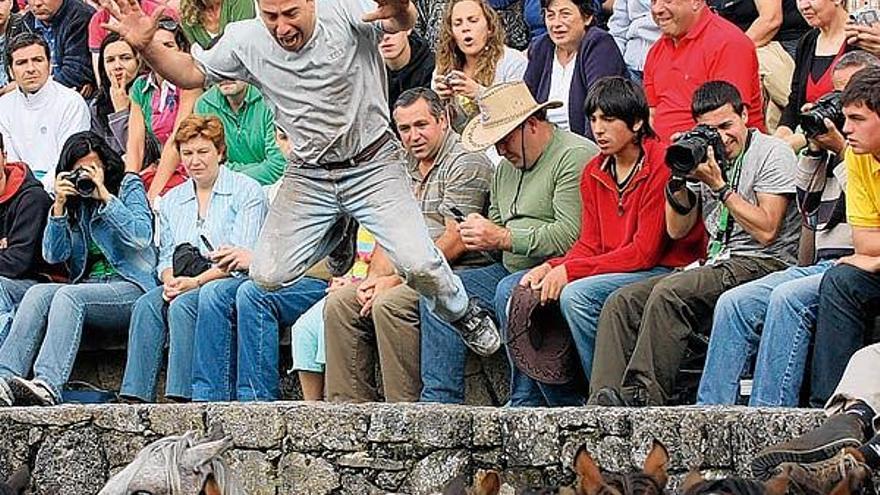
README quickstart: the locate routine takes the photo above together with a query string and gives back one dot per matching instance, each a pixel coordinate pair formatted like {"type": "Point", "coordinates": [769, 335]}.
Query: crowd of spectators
{"type": "Point", "coordinates": [676, 179]}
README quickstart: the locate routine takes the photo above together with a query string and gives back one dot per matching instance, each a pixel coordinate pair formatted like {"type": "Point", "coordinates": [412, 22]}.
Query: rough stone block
{"type": "Point", "coordinates": [254, 471]}
{"type": "Point", "coordinates": [306, 475]}
{"type": "Point", "coordinates": [530, 438]}
{"type": "Point", "coordinates": [68, 460]}
{"type": "Point", "coordinates": [176, 419]}
{"type": "Point", "coordinates": [433, 472]}
{"type": "Point", "coordinates": [251, 426]}
{"type": "Point", "coordinates": [319, 427]}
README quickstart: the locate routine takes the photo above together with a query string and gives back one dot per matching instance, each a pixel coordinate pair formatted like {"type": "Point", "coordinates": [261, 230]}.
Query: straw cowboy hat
{"type": "Point", "coordinates": [502, 108]}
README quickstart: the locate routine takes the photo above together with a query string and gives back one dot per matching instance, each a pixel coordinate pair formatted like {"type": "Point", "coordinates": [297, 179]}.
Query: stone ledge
{"type": "Point", "coordinates": [316, 448]}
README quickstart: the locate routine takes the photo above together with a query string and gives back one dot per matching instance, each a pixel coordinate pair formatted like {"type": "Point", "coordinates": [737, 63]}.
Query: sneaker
{"type": "Point", "coordinates": [342, 258]}
{"type": "Point", "coordinates": [828, 473]}
{"type": "Point", "coordinates": [6, 397]}
{"type": "Point", "coordinates": [477, 330]}
{"type": "Point", "coordinates": [837, 432]}
{"type": "Point", "coordinates": [32, 392]}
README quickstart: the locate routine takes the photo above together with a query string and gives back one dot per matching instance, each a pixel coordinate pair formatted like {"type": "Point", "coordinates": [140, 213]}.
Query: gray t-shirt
{"type": "Point", "coordinates": [769, 166]}
{"type": "Point", "coordinates": [328, 97]}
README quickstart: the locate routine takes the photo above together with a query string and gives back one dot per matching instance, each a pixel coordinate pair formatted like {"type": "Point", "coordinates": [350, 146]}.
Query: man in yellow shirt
{"type": "Point", "coordinates": [848, 302]}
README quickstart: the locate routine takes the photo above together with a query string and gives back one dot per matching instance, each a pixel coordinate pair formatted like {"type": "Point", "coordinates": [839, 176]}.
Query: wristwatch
{"type": "Point", "coordinates": [722, 193]}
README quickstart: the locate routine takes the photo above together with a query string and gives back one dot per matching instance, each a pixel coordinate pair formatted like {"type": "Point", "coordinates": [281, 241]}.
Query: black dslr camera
{"type": "Point", "coordinates": [827, 107]}
{"type": "Point", "coordinates": [84, 184]}
{"type": "Point", "coordinates": [692, 148]}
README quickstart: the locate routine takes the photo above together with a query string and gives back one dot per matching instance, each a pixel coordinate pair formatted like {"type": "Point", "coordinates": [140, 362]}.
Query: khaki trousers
{"type": "Point", "coordinates": [353, 343]}
{"type": "Point", "coordinates": [861, 381]}
{"type": "Point", "coordinates": [645, 327]}
{"type": "Point", "coordinates": [776, 69]}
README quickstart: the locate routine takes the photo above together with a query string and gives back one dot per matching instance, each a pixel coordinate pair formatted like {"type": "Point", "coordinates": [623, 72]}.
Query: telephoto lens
{"type": "Point", "coordinates": [827, 107]}
{"type": "Point", "coordinates": [691, 149]}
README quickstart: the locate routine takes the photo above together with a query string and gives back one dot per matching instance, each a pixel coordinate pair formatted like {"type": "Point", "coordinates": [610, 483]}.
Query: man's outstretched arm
{"type": "Point", "coordinates": [138, 28]}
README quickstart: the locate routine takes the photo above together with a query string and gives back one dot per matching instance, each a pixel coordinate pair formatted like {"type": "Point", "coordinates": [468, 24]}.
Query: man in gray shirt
{"type": "Point", "coordinates": [746, 209]}
{"type": "Point", "coordinates": [317, 64]}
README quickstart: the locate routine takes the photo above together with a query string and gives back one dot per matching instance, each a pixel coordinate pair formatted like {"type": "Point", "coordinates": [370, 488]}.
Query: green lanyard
{"type": "Point", "coordinates": [724, 224]}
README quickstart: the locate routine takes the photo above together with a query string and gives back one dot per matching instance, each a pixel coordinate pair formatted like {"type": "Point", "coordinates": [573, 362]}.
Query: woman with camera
{"type": "Point", "coordinates": [569, 59]}
{"type": "Point", "coordinates": [471, 56]}
{"type": "Point", "coordinates": [101, 228]}
{"type": "Point", "coordinates": [207, 228]}
{"type": "Point", "coordinates": [816, 54]}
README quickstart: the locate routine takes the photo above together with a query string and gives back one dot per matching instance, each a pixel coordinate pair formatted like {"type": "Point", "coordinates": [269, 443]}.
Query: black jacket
{"type": "Point", "coordinates": [23, 218]}
{"type": "Point", "coordinates": [70, 25]}
{"type": "Point", "coordinates": [417, 73]}
{"type": "Point", "coordinates": [803, 64]}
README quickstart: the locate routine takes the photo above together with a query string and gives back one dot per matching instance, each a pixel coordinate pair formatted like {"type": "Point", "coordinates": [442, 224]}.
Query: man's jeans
{"type": "Point", "coordinates": [305, 222]}
{"type": "Point", "coordinates": [784, 304]}
{"type": "Point", "coordinates": [50, 320]}
{"type": "Point", "coordinates": [152, 322]}
{"type": "Point", "coordinates": [444, 355]}
{"type": "Point", "coordinates": [581, 303]}
{"type": "Point", "coordinates": [11, 293]}
{"type": "Point", "coordinates": [260, 314]}
{"type": "Point", "coordinates": [848, 299]}
{"type": "Point", "coordinates": [214, 353]}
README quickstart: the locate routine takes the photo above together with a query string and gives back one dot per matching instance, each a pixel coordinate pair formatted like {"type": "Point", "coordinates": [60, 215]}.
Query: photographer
{"type": "Point", "coordinates": [784, 304]}
{"type": "Point", "coordinates": [100, 226]}
{"type": "Point", "coordinates": [746, 180]}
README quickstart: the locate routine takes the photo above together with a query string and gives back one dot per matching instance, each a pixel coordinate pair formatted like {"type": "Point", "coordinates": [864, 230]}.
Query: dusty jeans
{"type": "Point", "coordinates": [307, 217]}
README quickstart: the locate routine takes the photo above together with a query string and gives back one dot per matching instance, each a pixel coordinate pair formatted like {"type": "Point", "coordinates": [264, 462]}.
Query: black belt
{"type": "Point", "coordinates": [364, 156]}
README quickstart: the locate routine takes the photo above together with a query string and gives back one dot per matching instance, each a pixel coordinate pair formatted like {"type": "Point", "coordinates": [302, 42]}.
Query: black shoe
{"type": "Point", "coordinates": [343, 257]}
{"type": "Point", "coordinates": [838, 432]}
{"type": "Point", "coordinates": [607, 397]}
{"type": "Point", "coordinates": [477, 330]}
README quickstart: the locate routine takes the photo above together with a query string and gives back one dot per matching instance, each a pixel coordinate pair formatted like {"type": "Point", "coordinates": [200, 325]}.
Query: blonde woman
{"type": "Point", "coordinates": [471, 56]}
{"type": "Point", "coordinates": [205, 20]}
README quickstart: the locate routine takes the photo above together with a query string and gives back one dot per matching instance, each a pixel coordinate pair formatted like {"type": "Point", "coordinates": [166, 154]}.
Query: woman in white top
{"type": "Point", "coordinates": [471, 56]}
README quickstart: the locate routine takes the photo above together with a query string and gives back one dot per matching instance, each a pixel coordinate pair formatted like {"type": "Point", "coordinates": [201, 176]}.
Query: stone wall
{"type": "Point", "coordinates": [306, 448]}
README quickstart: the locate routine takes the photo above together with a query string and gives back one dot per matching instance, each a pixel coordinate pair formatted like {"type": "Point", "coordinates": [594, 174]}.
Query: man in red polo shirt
{"type": "Point", "coordinates": [697, 46]}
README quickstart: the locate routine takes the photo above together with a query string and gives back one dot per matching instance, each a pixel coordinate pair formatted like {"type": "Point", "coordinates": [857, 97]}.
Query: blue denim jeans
{"type": "Point", "coordinates": [582, 301]}
{"type": "Point", "coordinates": [260, 315]}
{"type": "Point", "coordinates": [214, 351]}
{"type": "Point", "coordinates": [848, 300]}
{"type": "Point", "coordinates": [305, 219]}
{"type": "Point", "coordinates": [11, 293]}
{"type": "Point", "coordinates": [49, 324]}
{"type": "Point", "coordinates": [444, 355]}
{"type": "Point", "coordinates": [153, 321]}
{"type": "Point", "coordinates": [772, 316]}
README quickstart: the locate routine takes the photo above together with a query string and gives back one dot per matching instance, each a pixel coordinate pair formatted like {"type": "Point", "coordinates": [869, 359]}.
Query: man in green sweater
{"type": "Point", "coordinates": [250, 129]}
{"type": "Point", "coordinates": [534, 214]}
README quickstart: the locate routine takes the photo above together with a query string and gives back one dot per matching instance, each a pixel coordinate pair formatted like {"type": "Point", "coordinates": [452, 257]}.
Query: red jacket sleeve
{"type": "Point", "coordinates": [646, 247]}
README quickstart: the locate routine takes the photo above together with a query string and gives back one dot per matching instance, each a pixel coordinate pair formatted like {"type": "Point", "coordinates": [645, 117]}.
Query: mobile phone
{"type": "Point", "coordinates": [457, 214]}
{"type": "Point", "coordinates": [206, 242]}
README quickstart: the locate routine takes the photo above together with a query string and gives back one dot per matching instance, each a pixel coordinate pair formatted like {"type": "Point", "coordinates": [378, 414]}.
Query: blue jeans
{"type": "Point", "coordinates": [784, 304]}
{"type": "Point", "coordinates": [214, 352]}
{"type": "Point", "coordinates": [582, 301]}
{"type": "Point", "coordinates": [444, 354]}
{"type": "Point", "coordinates": [848, 300]}
{"type": "Point", "coordinates": [49, 324]}
{"type": "Point", "coordinates": [11, 293]}
{"type": "Point", "coordinates": [152, 322]}
{"type": "Point", "coordinates": [305, 219]}
{"type": "Point", "coordinates": [260, 314]}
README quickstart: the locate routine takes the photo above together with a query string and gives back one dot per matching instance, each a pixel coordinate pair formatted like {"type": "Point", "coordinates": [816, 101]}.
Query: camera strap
{"type": "Point", "coordinates": [725, 221]}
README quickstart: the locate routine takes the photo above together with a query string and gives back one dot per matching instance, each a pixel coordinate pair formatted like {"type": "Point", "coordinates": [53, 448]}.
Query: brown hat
{"type": "Point", "coordinates": [502, 108]}
{"type": "Point", "coordinates": [540, 341]}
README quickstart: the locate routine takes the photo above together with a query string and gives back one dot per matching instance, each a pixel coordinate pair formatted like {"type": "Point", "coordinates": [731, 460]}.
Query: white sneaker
{"type": "Point", "coordinates": [32, 392]}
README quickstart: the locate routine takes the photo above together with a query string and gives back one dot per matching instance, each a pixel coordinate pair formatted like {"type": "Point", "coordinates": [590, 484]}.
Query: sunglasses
{"type": "Point", "coordinates": [168, 24]}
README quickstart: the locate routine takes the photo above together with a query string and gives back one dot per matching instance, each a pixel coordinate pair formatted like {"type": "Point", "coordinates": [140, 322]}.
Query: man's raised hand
{"type": "Point", "coordinates": [386, 9]}
{"type": "Point", "coordinates": [133, 24]}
